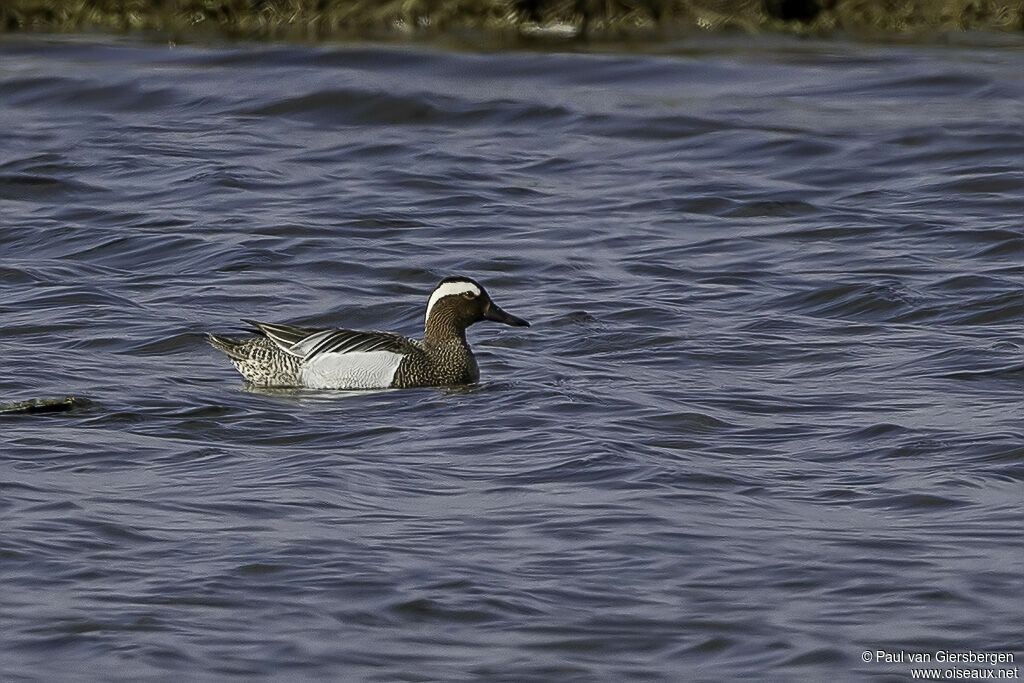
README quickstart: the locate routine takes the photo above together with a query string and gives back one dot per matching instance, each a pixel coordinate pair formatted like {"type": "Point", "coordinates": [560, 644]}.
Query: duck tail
{"type": "Point", "coordinates": [229, 347]}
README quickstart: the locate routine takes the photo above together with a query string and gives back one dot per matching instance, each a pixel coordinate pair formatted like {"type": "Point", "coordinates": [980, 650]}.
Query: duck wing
{"type": "Point", "coordinates": [308, 343]}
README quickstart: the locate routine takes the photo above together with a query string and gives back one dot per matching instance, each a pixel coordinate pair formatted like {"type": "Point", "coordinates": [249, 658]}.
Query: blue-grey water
{"type": "Point", "coordinates": [768, 415]}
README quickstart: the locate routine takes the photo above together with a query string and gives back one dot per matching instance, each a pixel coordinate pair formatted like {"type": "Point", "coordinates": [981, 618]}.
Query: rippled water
{"type": "Point", "coordinates": [768, 415]}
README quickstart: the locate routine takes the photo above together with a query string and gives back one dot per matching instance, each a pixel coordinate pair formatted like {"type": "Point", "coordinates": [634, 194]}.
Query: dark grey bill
{"type": "Point", "coordinates": [494, 312]}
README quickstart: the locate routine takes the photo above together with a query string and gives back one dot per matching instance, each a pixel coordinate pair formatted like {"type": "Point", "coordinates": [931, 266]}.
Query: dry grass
{"type": "Point", "coordinates": [312, 20]}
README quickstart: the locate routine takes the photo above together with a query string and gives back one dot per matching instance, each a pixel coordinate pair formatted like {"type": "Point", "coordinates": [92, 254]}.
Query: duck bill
{"type": "Point", "coordinates": [494, 312]}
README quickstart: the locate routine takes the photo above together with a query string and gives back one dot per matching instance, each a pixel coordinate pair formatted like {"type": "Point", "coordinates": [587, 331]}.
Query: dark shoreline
{"type": "Point", "coordinates": [504, 21]}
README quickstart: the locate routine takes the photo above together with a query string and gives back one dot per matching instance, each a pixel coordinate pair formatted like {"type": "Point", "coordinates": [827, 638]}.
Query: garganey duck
{"type": "Point", "coordinates": [318, 358]}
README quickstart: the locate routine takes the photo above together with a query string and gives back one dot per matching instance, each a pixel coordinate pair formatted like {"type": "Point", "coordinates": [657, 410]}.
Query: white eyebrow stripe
{"type": "Point", "coordinates": [448, 289]}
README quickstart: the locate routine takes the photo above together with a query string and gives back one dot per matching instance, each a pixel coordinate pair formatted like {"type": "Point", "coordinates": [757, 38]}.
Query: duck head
{"type": "Point", "coordinates": [461, 301]}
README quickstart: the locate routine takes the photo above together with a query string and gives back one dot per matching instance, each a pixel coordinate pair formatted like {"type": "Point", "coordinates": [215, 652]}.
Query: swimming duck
{"type": "Point", "coordinates": [318, 358]}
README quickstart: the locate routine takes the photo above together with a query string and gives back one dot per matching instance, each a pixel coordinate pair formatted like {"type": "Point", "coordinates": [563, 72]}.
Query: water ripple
{"type": "Point", "coordinates": [767, 415]}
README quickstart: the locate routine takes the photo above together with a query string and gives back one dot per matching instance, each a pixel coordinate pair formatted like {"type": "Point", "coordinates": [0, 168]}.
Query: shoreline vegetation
{"type": "Point", "coordinates": [560, 20]}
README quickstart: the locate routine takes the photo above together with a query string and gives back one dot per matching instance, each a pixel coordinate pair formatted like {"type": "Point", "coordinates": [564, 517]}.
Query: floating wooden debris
{"type": "Point", "coordinates": [40, 405]}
